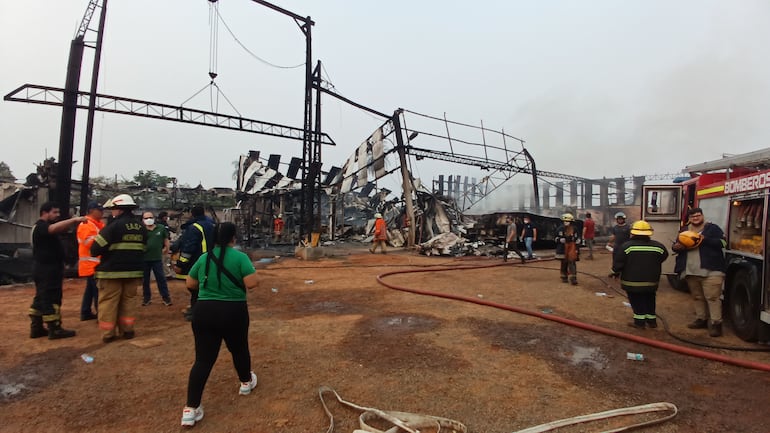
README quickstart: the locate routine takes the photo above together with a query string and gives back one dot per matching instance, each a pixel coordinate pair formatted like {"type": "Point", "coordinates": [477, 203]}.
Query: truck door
{"type": "Point", "coordinates": [662, 208]}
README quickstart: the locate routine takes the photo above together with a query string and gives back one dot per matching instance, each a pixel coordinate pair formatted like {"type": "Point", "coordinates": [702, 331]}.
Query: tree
{"type": "Point", "coordinates": [150, 179]}
{"type": "Point", "coordinates": [5, 173]}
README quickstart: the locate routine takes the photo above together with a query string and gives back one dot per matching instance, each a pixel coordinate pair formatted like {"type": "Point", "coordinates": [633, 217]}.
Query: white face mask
{"type": "Point", "coordinates": [149, 221]}
{"type": "Point", "coordinates": [566, 223]}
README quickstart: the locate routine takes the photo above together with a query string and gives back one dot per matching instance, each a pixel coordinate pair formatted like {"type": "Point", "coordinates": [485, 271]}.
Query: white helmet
{"type": "Point", "coordinates": [378, 215]}
{"type": "Point", "coordinates": [120, 201]}
{"type": "Point", "coordinates": [620, 215]}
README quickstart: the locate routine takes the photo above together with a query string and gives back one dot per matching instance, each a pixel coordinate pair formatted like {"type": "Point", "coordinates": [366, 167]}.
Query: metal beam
{"type": "Point", "coordinates": [36, 94]}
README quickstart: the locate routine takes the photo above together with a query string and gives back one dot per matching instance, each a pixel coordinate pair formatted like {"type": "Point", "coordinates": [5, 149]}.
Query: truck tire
{"type": "Point", "coordinates": [677, 283]}
{"type": "Point", "coordinates": [743, 306]}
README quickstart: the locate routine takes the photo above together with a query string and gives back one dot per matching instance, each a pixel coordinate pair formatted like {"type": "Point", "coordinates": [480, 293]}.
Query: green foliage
{"type": "Point", "coordinates": [151, 179]}
{"type": "Point", "coordinates": [5, 173]}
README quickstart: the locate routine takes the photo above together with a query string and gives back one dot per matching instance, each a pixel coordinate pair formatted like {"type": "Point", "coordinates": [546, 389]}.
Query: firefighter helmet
{"type": "Point", "coordinates": [641, 228]}
{"type": "Point", "coordinates": [690, 239]}
{"type": "Point", "coordinates": [567, 217]}
{"type": "Point", "coordinates": [378, 215]}
{"type": "Point", "coordinates": [620, 215]}
{"type": "Point", "coordinates": [120, 201]}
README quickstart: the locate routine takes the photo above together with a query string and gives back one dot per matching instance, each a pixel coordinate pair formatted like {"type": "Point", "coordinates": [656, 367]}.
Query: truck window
{"type": "Point", "coordinates": [662, 202]}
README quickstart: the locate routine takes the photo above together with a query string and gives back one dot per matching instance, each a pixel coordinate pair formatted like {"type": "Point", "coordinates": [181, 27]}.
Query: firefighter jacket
{"type": "Point", "coordinates": [567, 243]}
{"type": "Point", "coordinates": [711, 252]}
{"type": "Point", "coordinates": [638, 261]}
{"type": "Point", "coordinates": [197, 238]}
{"type": "Point", "coordinates": [87, 232]}
{"type": "Point", "coordinates": [121, 247]}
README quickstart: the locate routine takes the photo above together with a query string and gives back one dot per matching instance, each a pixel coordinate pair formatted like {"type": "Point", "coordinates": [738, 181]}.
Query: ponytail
{"type": "Point", "coordinates": [224, 233]}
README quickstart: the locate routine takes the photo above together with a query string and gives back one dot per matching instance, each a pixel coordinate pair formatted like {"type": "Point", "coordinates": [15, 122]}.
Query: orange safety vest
{"type": "Point", "coordinates": [277, 226]}
{"type": "Point", "coordinates": [87, 232]}
{"type": "Point", "coordinates": [380, 230]}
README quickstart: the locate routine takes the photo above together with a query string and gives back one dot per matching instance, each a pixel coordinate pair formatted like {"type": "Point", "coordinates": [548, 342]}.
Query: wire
{"type": "Point", "coordinates": [251, 52]}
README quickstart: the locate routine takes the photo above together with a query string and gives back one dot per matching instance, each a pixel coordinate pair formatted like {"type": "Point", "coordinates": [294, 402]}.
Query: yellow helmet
{"type": "Point", "coordinates": [690, 239]}
{"type": "Point", "coordinates": [641, 228]}
{"type": "Point", "coordinates": [567, 217]}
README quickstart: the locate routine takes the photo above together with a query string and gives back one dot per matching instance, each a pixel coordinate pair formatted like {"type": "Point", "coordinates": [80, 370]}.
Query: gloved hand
{"type": "Point", "coordinates": [583, 243]}
{"type": "Point", "coordinates": [563, 240]}
{"type": "Point", "coordinates": [614, 275]}
{"type": "Point", "coordinates": [505, 245]}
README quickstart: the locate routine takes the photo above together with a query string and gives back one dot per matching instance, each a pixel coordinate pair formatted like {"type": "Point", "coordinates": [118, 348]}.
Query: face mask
{"type": "Point", "coordinates": [149, 221]}
{"type": "Point", "coordinates": [566, 223]}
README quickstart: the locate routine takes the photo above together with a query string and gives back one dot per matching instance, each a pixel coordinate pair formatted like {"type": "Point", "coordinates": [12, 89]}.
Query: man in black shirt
{"type": "Point", "coordinates": [48, 273]}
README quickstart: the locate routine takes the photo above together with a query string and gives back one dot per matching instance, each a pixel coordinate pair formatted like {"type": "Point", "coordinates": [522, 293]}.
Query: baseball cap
{"type": "Point", "coordinates": [94, 205]}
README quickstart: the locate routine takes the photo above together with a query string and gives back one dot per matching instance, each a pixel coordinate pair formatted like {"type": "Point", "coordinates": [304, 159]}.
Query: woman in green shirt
{"type": "Point", "coordinates": [222, 277]}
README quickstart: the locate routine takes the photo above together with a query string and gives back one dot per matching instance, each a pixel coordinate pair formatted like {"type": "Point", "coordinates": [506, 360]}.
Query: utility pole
{"type": "Point", "coordinates": [406, 177]}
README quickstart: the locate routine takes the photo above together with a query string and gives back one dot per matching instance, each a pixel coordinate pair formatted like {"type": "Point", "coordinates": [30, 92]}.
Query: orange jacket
{"type": "Point", "coordinates": [87, 231]}
{"type": "Point", "coordinates": [278, 225]}
{"type": "Point", "coordinates": [380, 230]}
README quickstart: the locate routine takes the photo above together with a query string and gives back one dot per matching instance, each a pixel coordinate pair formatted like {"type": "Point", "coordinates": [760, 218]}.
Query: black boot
{"type": "Point", "coordinates": [715, 329]}
{"type": "Point", "coordinates": [36, 328]}
{"type": "Point", "coordinates": [55, 331]}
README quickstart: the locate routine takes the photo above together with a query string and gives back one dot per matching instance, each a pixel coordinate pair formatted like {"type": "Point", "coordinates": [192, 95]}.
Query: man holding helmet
{"type": "Point", "coordinates": [700, 261]}
{"type": "Point", "coordinates": [638, 264]}
{"type": "Point", "coordinates": [121, 246]}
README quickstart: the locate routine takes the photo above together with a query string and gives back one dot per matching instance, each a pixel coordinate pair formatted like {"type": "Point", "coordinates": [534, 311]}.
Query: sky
{"type": "Point", "coordinates": [595, 88]}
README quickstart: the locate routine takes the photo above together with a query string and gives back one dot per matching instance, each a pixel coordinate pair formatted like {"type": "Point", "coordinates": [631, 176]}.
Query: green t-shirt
{"type": "Point", "coordinates": [154, 247]}
{"type": "Point", "coordinates": [222, 288]}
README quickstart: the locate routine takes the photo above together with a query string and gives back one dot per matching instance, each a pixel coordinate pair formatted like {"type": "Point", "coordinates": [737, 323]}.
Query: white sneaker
{"type": "Point", "coordinates": [191, 415]}
{"type": "Point", "coordinates": [246, 387]}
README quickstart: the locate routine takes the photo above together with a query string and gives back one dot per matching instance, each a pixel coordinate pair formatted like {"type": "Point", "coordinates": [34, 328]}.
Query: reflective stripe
{"type": "Point", "coordinates": [106, 326]}
{"type": "Point", "coordinates": [650, 316]}
{"type": "Point", "coordinates": [119, 274]}
{"type": "Point", "coordinates": [638, 283]}
{"type": "Point", "coordinates": [204, 248]}
{"type": "Point", "coordinates": [87, 240]}
{"type": "Point", "coordinates": [639, 316]}
{"type": "Point", "coordinates": [100, 240]}
{"type": "Point", "coordinates": [89, 259]}
{"type": "Point", "coordinates": [650, 249]}
{"type": "Point", "coordinates": [126, 246]}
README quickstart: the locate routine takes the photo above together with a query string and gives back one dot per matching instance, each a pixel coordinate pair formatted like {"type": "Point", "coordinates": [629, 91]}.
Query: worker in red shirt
{"type": "Point", "coordinates": [380, 234]}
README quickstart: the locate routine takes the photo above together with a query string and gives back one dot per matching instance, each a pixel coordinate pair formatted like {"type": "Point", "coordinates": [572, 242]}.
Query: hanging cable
{"type": "Point", "coordinates": [213, 38]}
{"type": "Point", "coordinates": [249, 51]}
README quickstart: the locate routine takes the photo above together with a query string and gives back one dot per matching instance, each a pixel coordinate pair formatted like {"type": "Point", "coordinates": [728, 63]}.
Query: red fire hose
{"type": "Point", "coordinates": [650, 342]}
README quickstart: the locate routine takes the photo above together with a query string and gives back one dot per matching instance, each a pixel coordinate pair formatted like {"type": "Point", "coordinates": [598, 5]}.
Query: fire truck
{"type": "Point", "coordinates": [734, 194]}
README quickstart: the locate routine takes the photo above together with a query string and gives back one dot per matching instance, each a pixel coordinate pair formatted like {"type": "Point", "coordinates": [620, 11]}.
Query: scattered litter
{"type": "Point", "coordinates": [309, 281]}
{"type": "Point", "coordinates": [547, 310]}
{"type": "Point", "coordinates": [480, 295]}
{"type": "Point", "coordinates": [274, 290]}
{"type": "Point", "coordinates": [609, 248]}
{"type": "Point", "coordinates": [626, 304]}
{"type": "Point", "coordinates": [634, 356]}
{"type": "Point", "coordinates": [87, 358]}
{"type": "Point", "coordinates": [600, 294]}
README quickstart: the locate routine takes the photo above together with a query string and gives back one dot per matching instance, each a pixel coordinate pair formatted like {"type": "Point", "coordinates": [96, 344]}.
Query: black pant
{"type": "Point", "coordinates": [48, 291]}
{"type": "Point", "coordinates": [214, 321]}
{"type": "Point", "coordinates": [643, 305]}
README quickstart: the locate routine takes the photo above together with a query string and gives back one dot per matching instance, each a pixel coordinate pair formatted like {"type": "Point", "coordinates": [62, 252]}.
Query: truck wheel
{"type": "Point", "coordinates": [677, 283]}
{"type": "Point", "coordinates": [743, 306]}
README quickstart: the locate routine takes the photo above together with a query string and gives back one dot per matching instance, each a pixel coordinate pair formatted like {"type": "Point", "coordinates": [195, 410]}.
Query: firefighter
{"type": "Point", "coordinates": [620, 232]}
{"type": "Point", "coordinates": [380, 234]}
{"type": "Point", "coordinates": [700, 261]}
{"type": "Point", "coordinates": [121, 246]}
{"type": "Point", "coordinates": [197, 236]}
{"type": "Point", "coordinates": [567, 249]}
{"type": "Point", "coordinates": [637, 262]}
{"type": "Point", "coordinates": [278, 225]}
{"type": "Point", "coordinates": [48, 273]}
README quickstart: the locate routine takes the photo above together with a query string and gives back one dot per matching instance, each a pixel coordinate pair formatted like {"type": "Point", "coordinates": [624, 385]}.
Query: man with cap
{"type": "Point", "coordinates": [380, 234]}
{"type": "Point", "coordinates": [87, 231]}
{"type": "Point", "coordinates": [638, 264]}
{"type": "Point", "coordinates": [121, 246]}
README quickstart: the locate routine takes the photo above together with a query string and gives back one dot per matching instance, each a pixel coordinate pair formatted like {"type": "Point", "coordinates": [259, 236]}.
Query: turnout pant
{"type": "Point", "coordinates": [117, 308]}
{"type": "Point", "coordinates": [212, 322]}
{"type": "Point", "coordinates": [48, 292]}
{"type": "Point", "coordinates": [568, 269]}
{"type": "Point", "coordinates": [643, 306]}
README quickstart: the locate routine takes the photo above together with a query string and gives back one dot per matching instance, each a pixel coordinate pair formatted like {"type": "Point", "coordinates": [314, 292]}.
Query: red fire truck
{"type": "Point", "coordinates": [734, 194]}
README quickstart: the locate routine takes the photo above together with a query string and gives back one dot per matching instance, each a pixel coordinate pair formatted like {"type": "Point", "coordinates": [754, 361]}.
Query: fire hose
{"type": "Point", "coordinates": [582, 325]}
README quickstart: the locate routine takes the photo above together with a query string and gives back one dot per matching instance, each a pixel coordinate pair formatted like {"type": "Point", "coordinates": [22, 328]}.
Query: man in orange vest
{"type": "Point", "coordinates": [380, 234]}
{"type": "Point", "coordinates": [278, 228]}
{"type": "Point", "coordinates": [87, 231]}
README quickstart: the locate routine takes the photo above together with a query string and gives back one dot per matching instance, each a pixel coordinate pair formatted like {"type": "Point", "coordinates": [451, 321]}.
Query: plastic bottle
{"type": "Point", "coordinates": [87, 358]}
{"type": "Point", "coordinates": [634, 356]}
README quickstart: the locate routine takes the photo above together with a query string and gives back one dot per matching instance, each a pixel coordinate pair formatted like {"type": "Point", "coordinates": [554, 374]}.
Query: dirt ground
{"type": "Point", "coordinates": [329, 322]}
